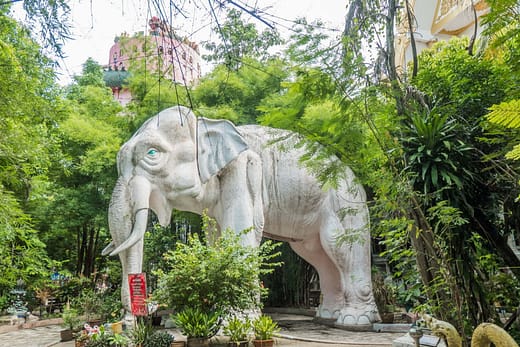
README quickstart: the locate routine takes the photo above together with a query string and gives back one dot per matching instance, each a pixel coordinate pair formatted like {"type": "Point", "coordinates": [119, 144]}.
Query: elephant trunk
{"type": "Point", "coordinates": [127, 237]}
{"type": "Point", "coordinates": [128, 213]}
{"type": "Point", "coordinates": [119, 216]}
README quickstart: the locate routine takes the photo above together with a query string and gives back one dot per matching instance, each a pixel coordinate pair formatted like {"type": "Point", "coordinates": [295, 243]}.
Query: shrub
{"type": "Point", "coordinates": [223, 277]}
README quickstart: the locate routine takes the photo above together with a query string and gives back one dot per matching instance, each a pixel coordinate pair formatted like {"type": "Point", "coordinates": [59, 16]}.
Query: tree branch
{"type": "Point", "coordinates": [9, 2]}
{"type": "Point", "coordinates": [475, 27]}
{"type": "Point", "coordinates": [412, 39]}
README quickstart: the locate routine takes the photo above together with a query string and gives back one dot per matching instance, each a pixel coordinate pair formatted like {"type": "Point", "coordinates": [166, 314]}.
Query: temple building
{"type": "Point", "coordinates": [436, 21]}
{"type": "Point", "coordinates": [159, 52]}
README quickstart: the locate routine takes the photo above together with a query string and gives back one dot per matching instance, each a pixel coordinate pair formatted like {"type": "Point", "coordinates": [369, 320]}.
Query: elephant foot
{"type": "Point", "coordinates": [327, 313]}
{"type": "Point", "coordinates": [358, 319]}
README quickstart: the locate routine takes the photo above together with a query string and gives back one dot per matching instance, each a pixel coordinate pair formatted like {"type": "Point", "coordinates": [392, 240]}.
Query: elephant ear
{"type": "Point", "coordinates": [219, 142]}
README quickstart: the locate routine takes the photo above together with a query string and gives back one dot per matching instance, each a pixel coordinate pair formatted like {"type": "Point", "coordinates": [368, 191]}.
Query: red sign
{"type": "Point", "coordinates": [137, 285]}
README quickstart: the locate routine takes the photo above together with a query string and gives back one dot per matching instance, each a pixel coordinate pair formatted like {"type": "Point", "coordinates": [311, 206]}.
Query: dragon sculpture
{"type": "Point", "coordinates": [483, 336]}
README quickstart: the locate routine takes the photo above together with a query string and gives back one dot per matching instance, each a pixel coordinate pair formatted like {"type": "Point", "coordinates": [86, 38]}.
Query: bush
{"type": "Point", "coordinates": [90, 303]}
{"type": "Point", "coordinates": [223, 277]}
{"type": "Point", "coordinates": [71, 319]}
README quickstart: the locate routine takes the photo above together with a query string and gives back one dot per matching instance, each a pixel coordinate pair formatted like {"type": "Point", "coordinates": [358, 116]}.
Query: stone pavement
{"type": "Point", "coordinates": [36, 337]}
{"type": "Point", "coordinates": [297, 331]}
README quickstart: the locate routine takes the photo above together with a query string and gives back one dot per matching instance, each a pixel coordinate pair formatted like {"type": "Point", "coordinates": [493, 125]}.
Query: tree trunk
{"type": "Point", "coordinates": [88, 268]}
{"type": "Point", "coordinates": [82, 243]}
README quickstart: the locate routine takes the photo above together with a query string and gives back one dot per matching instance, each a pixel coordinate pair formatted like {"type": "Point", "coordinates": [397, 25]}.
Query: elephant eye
{"type": "Point", "coordinates": [152, 157]}
{"type": "Point", "coordinates": [152, 152]}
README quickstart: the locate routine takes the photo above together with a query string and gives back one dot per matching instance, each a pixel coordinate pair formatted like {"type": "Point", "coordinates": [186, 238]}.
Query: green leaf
{"type": "Point", "coordinates": [425, 167]}
{"type": "Point", "coordinates": [434, 175]}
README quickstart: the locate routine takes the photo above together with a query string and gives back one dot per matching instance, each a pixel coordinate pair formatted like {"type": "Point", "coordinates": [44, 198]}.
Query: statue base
{"type": "Point", "coordinates": [332, 322]}
{"type": "Point", "coordinates": [425, 340]}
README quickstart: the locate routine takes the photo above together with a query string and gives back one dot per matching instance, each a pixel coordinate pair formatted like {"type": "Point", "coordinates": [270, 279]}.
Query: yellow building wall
{"type": "Point", "coordinates": [435, 21]}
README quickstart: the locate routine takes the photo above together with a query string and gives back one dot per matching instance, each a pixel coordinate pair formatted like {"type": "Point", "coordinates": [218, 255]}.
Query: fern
{"type": "Point", "coordinates": [514, 154]}
{"type": "Point", "coordinates": [506, 114]}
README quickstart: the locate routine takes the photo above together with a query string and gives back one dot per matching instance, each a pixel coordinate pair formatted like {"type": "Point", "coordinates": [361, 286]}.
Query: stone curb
{"type": "Point", "coordinates": [31, 325]}
{"type": "Point", "coordinates": [304, 339]}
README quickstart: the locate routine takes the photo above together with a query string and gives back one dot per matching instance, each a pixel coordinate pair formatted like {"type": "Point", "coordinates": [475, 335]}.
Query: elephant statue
{"type": "Point", "coordinates": [244, 177]}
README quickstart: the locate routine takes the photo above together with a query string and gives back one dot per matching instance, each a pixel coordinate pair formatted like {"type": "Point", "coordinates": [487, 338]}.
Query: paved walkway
{"type": "Point", "coordinates": [36, 337]}
{"type": "Point", "coordinates": [297, 331]}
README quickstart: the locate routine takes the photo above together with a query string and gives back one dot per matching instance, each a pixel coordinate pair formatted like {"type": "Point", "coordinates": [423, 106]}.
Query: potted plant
{"type": "Point", "coordinates": [264, 328]}
{"type": "Point", "coordinates": [140, 333]}
{"type": "Point", "coordinates": [197, 325]}
{"type": "Point", "coordinates": [178, 343]}
{"type": "Point", "coordinates": [100, 338]}
{"type": "Point", "coordinates": [223, 277]}
{"type": "Point", "coordinates": [71, 323]}
{"type": "Point", "coordinates": [159, 339]}
{"type": "Point", "coordinates": [110, 310]}
{"type": "Point", "coordinates": [91, 303]}
{"type": "Point", "coordinates": [81, 339]}
{"type": "Point", "coordinates": [238, 330]}
{"type": "Point", "coordinates": [119, 340]}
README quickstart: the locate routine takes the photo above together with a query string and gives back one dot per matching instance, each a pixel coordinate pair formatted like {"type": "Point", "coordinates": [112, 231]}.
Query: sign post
{"type": "Point", "coordinates": [137, 285]}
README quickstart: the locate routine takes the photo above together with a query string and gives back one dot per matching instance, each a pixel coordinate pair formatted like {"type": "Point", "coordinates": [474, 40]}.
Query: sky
{"type": "Point", "coordinates": [95, 23]}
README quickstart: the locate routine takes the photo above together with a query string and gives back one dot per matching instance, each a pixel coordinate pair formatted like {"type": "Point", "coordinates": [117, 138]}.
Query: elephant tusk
{"type": "Point", "coordinates": [138, 230]}
{"type": "Point", "coordinates": [109, 248]}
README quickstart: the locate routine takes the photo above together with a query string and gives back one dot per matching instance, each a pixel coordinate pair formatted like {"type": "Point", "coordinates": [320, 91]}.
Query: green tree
{"type": "Point", "coordinates": [463, 87]}
{"type": "Point", "coordinates": [237, 95]}
{"type": "Point", "coordinates": [240, 40]}
{"type": "Point", "coordinates": [418, 151]}
{"type": "Point", "coordinates": [29, 111]}
{"type": "Point", "coordinates": [91, 75]}
{"type": "Point", "coordinates": [83, 177]}
{"type": "Point", "coordinates": [51, 18]}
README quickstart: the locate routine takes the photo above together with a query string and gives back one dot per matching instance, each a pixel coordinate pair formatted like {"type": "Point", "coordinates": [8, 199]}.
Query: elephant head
{"type": "Point", "coordinates": [165, 165]}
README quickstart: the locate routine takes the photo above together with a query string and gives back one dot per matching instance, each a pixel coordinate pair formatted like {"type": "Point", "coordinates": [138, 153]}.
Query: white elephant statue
{"type": "Point", "coordinates": [178, 161]}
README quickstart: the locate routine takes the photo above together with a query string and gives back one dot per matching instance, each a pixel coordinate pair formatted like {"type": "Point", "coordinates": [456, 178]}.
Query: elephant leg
{"type": "Point", "coordinates": [240, 206]}
{"type": "Point", "coordinates": [333, 299]}
{"type": "Point", "coordinates": [352, 259]}
{"type": "Point", "coordinates": [125, 292]}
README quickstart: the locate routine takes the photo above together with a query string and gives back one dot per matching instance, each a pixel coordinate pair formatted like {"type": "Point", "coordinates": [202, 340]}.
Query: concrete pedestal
{"type": "Point", "coordinates": [424, 341]}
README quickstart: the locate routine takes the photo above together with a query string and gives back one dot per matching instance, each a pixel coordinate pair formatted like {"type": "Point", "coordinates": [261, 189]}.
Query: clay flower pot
{"type": "Point", "coordinates": [263, 343]}
{"type": "Point", "coordinates": [198, 341]}
{"type": "Point", "coordinates": [66, 335]}
{"type": "Point", "coordinates": [117, 327]}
